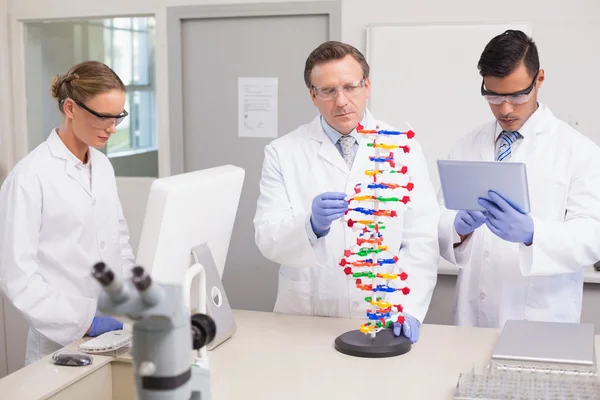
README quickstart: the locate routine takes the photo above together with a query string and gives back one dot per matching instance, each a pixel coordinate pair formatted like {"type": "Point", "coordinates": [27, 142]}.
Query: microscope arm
{"type": "Point", "coordinates": [200, 381]}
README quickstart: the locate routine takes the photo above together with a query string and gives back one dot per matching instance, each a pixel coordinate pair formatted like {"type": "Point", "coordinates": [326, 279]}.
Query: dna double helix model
{"type": "Point", "coordinates": [370, 258]}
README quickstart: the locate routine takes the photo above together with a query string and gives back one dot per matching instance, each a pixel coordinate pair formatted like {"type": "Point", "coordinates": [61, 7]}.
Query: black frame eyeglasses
{"type": "Point", "coordinates": [102, 121]}
{"type": "Point", "coordinates": [519, 97]}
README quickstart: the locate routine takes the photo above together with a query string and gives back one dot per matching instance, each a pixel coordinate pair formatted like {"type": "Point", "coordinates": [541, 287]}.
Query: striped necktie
{"type": "Point", "coordinates": [506, 140]}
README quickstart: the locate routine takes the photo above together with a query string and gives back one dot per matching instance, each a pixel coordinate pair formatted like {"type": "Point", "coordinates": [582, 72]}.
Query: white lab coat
{"type": "Point", "coordinates": [500, 280]}
{"type": "Point", "coordinates": [305, 163]}
{"type": "Point", "coordinates": [53, 229]}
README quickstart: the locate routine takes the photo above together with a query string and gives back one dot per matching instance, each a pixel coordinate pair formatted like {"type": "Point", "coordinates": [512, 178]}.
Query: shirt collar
{"type": "Point", "coordinates": [334, 135]}
{"type": "Point", "coordinates": [529, 127]}
{"type": "Point", "coordinates": [72, 160]}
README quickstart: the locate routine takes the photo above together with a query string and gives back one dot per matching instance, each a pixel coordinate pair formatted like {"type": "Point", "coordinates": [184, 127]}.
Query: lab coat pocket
{"type": "Point", "coordinates": [108, 216]}
{"type": "Point", "coordinates": [548, 199]}
{"type": "Point", "coordinates": [293, 296]}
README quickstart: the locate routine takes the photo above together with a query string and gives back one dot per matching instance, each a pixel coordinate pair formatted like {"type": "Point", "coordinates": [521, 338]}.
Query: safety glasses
{"type": "Point", "coordinates": [516, 98]}
{"type": "Point", "coordinates": [99, 120]}
{"type": "Point", "coordinates": [330, 92]}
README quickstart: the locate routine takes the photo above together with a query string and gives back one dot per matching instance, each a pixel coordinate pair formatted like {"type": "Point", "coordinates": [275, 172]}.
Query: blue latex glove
{"type": "Point", "coordinates": [103, 324]}
{"type": "Point", "coordinates": [466, 222]}
{"type": "Point", "coordinates": [326, 208]}
{"type": "Point", "coordinates": [410, 328]}
{"type": "Point", "coordinates": [505, 221]}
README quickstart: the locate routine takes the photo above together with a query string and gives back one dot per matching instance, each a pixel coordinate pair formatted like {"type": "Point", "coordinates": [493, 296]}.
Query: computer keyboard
{"type": "Point", "coordinates": [106, 342]}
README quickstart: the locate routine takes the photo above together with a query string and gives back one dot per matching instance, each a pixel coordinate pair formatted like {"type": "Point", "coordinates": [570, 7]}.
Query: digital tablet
{"type": "Point", "coordinates": [464, 182]}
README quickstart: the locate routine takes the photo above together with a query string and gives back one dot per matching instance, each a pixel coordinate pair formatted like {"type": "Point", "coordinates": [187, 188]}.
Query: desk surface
{"type": "Point", "coordinates": [274, 356]}
{"type": "Point", "coordinates": [43, 379]}
{"type": "Point", "coordinates": [293, 357]}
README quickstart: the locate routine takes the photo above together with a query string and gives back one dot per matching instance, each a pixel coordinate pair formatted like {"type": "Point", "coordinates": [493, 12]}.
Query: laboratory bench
{"type": "Point", "coordinates": [589, 276]}
{"type": "Point", "coordinates": [441, 309]}
{"type": "Point", "coordinates": [277, 356]}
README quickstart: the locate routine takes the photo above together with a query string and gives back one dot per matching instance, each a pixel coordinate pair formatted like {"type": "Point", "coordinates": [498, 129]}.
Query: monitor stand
{"type": "Point", "coordinates": [208, 295]}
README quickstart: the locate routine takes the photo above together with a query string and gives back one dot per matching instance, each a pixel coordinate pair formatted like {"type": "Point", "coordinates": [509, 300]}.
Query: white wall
{"type": "Point", "coordinates": [6, 147]}
{"type": "Point", "coordinates": [142, 164]}
{"type": "Point", "coordinates": [566, 33]}
{"type": "Point", "coordinates": [139, 188]}
{"type": "Point", "coordinates": [49, 50]}
{"type": "Point", "coordinates": [57, 9]}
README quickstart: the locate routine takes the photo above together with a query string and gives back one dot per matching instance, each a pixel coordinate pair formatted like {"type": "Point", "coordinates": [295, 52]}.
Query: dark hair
{"type": "Point", "coordinates": [504, 53]}
{"type": "Point", "coordinates": [333, 50]}
{"type": "Point", "coordinates": [83, 81]}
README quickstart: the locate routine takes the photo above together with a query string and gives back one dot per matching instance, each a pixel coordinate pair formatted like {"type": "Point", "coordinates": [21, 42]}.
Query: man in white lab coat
{"type": "Point", "coordinates": [514, 265]}
{"type": "Point", "coordinates": [306, 176]}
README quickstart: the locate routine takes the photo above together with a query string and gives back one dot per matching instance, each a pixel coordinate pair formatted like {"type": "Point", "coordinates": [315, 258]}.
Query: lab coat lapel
{"type": "Point", "coordinates": [525, 148]}
{"type": "Point", "coordinates": [530, 139]}
{"type": "Point", "coordinates": [57, 149]}
{"type": "Point", "coordinates": [96, 181]}
{"type": "Point", "coordinates": [71, 170]}
{"type": "Point", "coordinates": [327, 151]}
{"type": "Point", "coordinates": [487, 144]}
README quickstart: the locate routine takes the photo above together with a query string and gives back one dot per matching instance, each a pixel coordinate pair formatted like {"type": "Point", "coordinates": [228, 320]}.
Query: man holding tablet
{"type": "Point", "coordinates": [516, 265]}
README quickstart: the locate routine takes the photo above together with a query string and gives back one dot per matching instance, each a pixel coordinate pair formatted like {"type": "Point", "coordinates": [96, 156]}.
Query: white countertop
{"type": "Point", "coordinates": [276, 356]}
{"type": "Point", "coordinates": [446, 268]}
{"type": "Point", "coordinates": [43, 379]}
{"type": "Point", "coordinates": [292, 357]}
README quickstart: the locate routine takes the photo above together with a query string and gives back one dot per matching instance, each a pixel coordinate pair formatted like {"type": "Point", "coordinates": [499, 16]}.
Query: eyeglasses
{"type": "Point", "coordinates": [330, 92]}
{"type": "Point", "coordinates": [99, 120]}
{"type": "Point", "coordinates": [516, 98]}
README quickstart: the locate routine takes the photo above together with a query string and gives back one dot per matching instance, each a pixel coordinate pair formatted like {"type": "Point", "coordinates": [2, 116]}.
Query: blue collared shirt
{"type": "Point", "coordinates": [526, 130]}
{"type": "Point", "coordinates": [334, 135]}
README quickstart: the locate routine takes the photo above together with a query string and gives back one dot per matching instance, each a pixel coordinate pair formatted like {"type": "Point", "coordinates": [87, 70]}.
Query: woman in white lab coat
{"type": "Point", "coordinates": [60, 214]}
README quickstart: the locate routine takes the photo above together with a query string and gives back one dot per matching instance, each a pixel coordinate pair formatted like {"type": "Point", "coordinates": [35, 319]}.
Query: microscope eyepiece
{"type": "Point", "coordinates": [141, 280]}
{"type": "Point", "coordinates": [151, 294]}
{"type": "Point", "coordinates": [204, 330]}
{"type": "Point", "coordinates": [103, 274]}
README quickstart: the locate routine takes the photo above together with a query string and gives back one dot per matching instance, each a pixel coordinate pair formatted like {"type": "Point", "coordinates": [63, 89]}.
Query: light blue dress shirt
{"type": "Point", "coordinates": [334, 136]}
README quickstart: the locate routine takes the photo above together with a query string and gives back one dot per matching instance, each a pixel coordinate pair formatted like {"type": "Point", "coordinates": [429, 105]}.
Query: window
{"type": "Point", "coordinates": [129, 51]}
{"type": "Point", "coordinates": [126, 44]}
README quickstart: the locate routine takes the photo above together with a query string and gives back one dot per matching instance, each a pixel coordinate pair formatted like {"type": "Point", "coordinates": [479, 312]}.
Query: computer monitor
{"type": "Point", "coordinates": [188, 221]}
{"type": "Point", "coordinates": [184, 211]}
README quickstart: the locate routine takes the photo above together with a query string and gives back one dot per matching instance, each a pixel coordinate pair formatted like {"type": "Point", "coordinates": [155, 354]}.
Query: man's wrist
{"type": "Point", "coordinates": [322, 233]}
{"type": "Point", "coordinates": [316, 230]}
{"type": "Point", "coordinates": [529, 241]}
{"type": "Point", "coordinates": [462, 238]}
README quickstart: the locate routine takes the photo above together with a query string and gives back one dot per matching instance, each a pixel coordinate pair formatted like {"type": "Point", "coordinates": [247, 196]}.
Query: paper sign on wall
{"type": "Point", "coordinates": [257, 107]}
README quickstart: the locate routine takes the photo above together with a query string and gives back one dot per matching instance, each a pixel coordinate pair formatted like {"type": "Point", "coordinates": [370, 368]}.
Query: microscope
{"type": "Point", "coordinates": [164, 335]}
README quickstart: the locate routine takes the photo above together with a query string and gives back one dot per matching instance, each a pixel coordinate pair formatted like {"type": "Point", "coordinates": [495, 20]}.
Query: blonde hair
{"type": "Point", "coordinates": [84, 81]}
